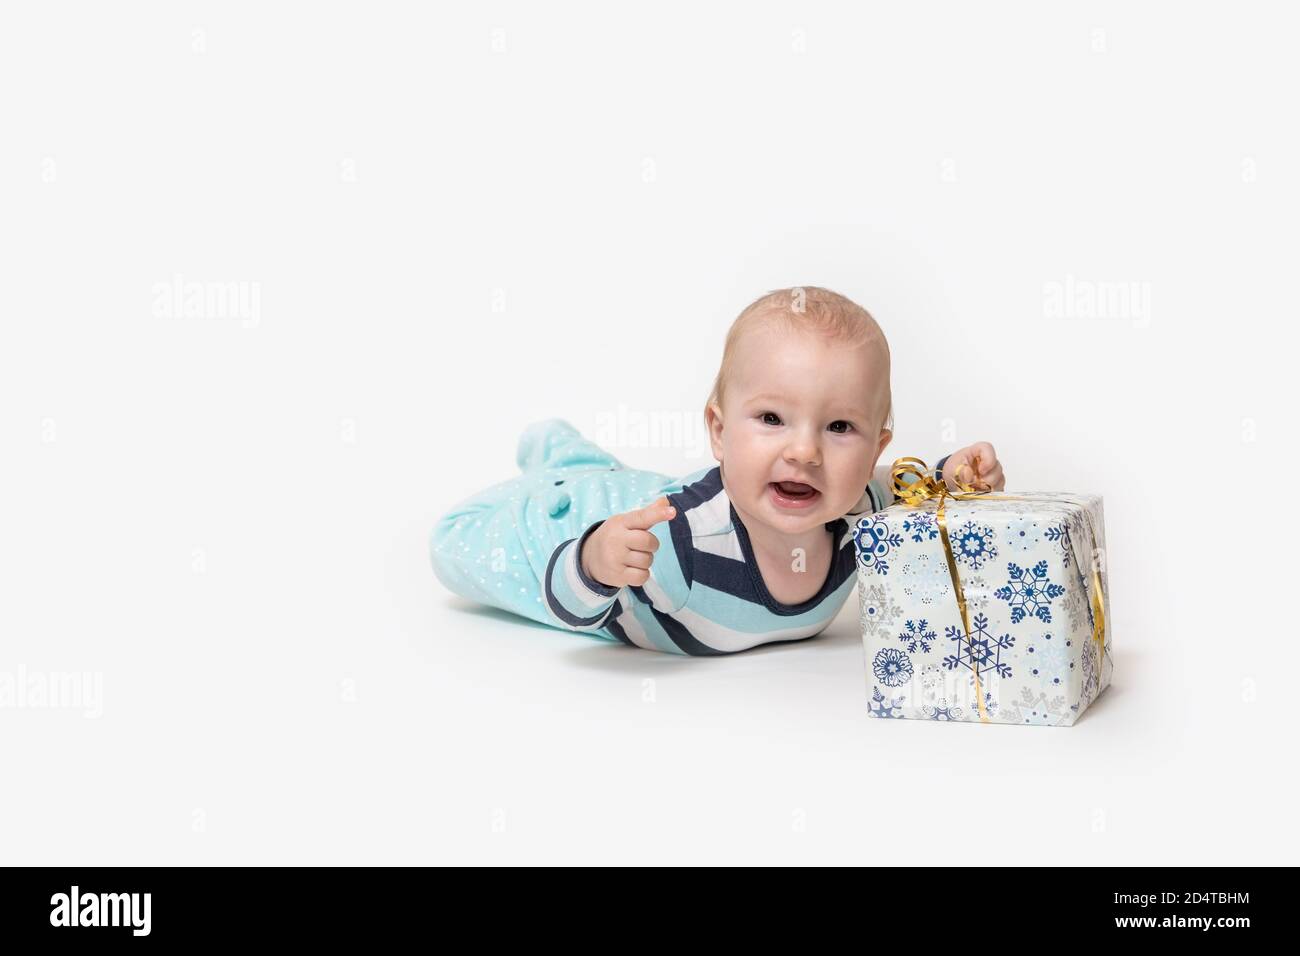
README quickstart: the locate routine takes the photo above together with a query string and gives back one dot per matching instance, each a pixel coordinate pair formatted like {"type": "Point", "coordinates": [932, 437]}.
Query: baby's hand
{"type": "Point", "coordinates": [976, 465]}
{"type": "Point", "coordinates": [622, 549]}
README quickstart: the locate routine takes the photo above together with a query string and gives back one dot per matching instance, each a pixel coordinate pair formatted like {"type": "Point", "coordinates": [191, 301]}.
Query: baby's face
{"type": "Point", "coordinates": [798, 408]}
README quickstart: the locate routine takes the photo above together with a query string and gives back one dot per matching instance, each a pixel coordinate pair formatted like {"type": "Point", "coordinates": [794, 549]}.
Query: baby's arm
{"type": "Point", "coordinates": [586, 574]}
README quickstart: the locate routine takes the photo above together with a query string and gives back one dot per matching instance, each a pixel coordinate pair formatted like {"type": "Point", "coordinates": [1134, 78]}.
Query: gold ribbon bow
{"type": "Point", "coordinates": [914, 484]}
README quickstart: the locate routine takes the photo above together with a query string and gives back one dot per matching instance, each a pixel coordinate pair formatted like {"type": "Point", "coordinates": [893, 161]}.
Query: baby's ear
{"type": "Point", "coordinates": [712, 414]}
{"type": "Point", "coordinates": [886, 436]}
{"type": "Point", "coordinates": [713, 419]}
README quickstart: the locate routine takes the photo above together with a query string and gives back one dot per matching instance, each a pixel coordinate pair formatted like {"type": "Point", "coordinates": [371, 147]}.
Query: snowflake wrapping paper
{"type": "Point", "coordinates": [1026, 567]}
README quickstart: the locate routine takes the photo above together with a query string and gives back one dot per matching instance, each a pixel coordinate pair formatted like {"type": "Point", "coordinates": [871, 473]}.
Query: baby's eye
{"type": "Point", "coordinates": [840, 421]}
{"type": "Point", "coordinates": [772, 415]}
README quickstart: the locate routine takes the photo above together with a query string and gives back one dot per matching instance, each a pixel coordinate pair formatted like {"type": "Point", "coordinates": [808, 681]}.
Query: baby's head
{"type": "Point", "coordinates": [802, 396]}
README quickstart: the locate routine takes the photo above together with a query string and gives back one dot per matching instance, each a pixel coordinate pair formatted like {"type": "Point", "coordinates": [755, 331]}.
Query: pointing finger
{"type": "Point", "coordinates": [649, 516]}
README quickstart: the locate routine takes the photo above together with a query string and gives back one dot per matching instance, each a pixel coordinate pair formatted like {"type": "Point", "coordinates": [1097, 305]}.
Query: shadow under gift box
{"type": "Point", "coordinates": [1032, 568]}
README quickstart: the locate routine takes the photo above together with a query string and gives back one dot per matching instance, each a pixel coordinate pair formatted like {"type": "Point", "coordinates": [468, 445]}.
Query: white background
{"type": "Point", "coordinates": [462, 218]}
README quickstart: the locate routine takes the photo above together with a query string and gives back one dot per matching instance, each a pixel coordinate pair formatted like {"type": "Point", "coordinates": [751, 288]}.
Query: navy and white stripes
{"type": "Point", "coordinates": [705, 595]}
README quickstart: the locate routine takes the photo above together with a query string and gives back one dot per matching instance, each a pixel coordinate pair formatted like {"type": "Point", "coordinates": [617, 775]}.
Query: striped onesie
{"type": "Point", "coordinates": [705, 595]}
{"type": "Point", "coordinates": [516, 546]}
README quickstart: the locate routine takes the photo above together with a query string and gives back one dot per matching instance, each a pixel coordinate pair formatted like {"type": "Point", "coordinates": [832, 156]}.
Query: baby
{"type": "Point", "coordinates": [756, 549]}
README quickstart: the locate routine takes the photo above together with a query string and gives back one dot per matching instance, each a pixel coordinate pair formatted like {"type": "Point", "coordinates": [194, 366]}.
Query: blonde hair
{"type": "Point", "coordinates": [808, 308]}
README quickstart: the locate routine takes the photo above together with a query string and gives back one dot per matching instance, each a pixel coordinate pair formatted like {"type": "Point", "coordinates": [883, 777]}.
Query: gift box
{"type": "Point", "coordinates": [983, 606]}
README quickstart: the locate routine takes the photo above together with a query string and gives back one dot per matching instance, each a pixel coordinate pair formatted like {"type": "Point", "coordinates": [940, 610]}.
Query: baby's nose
{"type": "Point", "coordinates": [804, 452]}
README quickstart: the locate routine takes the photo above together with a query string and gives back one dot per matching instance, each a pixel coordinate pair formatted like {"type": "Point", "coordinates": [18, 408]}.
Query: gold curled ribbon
{"type": "Point", "coordinates": [914, 484]}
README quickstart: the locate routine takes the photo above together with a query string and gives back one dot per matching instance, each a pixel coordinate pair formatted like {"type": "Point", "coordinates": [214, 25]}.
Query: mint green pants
{"type": "Point", "coordinates": [494, 546]}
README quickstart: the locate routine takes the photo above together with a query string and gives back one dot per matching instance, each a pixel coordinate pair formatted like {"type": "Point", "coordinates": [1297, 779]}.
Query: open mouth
{"type": "Point", "coordinates": [793, 494]}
